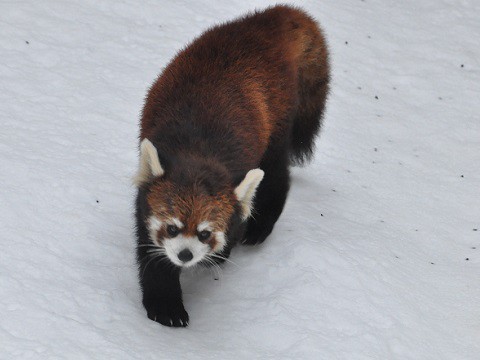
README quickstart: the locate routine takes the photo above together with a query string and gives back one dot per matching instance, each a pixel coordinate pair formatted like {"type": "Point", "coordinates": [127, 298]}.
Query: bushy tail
{"type": "Point", "coordinates": [313, 80]}
{"type": "Point", "coordinates": [307, 124]}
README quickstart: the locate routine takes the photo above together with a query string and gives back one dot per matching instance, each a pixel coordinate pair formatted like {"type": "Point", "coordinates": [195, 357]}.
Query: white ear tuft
{"type": "Point", "coordinates": [149, 163]}
{"type": "Point", "coordinates": [245, 192]}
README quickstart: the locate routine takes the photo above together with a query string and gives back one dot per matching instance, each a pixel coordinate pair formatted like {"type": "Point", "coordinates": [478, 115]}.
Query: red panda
{"type": "Point", "coordinates": [220, 128]}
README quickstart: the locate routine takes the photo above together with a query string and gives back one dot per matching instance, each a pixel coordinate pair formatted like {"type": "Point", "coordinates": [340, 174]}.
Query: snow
{"type": "Point", "coordinates": [375, 256]}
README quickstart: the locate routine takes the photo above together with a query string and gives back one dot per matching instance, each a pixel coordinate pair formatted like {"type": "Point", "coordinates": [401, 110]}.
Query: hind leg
{"type": "Point", "coordinates": [270, 197]}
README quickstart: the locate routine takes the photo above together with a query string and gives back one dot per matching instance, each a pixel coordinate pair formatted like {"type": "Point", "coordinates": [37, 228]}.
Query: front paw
{"type": "Point", "coordinates": [168, 312]}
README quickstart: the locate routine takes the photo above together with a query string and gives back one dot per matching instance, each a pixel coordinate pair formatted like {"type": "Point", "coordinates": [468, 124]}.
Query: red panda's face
{"type": "Point", "coordinates": [191, 206]}
{"type": "Point", "coordinates": [188, 224]}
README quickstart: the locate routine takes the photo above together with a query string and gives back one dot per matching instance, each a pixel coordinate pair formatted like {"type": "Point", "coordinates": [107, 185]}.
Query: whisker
{"type": "Point", "coordinates": [145, 257]}
{"type": "Point", "coordinates": [149, 261]}
{"type": "Point", "coordinates": [148, 245]}
{"type": "Point", "coordinates": [223, 258]}
{"type": "Point", "coordinates": [164, 257]}
{"type": "Point", "coordinates": [215, 269]}
{"type": "Point", "coordinates": [160, 259]}
{"type": "Point", "coordinates": [215, 266]}
{"type": "Point", "coordinates": [219, 270]}
{"type": "Point", "coordinates": [154, 251]}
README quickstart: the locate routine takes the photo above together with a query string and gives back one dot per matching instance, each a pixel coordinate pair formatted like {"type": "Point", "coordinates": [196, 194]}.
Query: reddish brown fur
{"type": "Point", "coordinates": [248, 94]}
{"type": "Point", "coordinates": [253, 69]}
{"type": "Point", "coordinates": [191, 207]}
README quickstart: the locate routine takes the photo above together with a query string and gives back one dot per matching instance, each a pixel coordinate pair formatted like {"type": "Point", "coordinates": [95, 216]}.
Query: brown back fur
{"type": "Point", "coordinates": [239, 83]}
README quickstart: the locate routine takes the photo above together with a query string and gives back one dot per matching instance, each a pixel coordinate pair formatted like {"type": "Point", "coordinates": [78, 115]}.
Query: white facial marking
{"type": "Point", "coordinates": [154, 224]}
{"type": "Point", "coordinates": [177, 223]}
{"type": "Point", "coordinates": [175, 245]}
{"type": "Point", "coordinates": [204, 225]}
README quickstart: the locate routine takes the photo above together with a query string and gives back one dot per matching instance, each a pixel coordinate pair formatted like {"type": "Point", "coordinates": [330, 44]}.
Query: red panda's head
{"type": "Point", "coordinates": [190, 207]}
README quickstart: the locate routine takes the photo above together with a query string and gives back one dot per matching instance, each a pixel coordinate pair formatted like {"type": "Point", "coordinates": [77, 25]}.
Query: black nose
{"type": "Point", "coordinates": [185, 255]}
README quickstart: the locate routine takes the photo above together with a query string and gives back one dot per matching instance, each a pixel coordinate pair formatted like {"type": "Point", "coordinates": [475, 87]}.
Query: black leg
{"type": "Point", "coordinates": [269, 199]}
{"type": "Point", "coordinates": [162, 295]}
{"type": "Point", "coordinates": [159, 278]}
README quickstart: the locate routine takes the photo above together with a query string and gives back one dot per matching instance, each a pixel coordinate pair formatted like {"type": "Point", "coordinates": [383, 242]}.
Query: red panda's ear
{"type": "Point", "coordinates": [149, 163]}
{"type": "Point", "coordinates": [245, 192]}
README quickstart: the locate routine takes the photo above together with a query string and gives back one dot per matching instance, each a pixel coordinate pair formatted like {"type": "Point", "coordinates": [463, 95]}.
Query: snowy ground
{"type": "Point", "coordinates": [376, 255]}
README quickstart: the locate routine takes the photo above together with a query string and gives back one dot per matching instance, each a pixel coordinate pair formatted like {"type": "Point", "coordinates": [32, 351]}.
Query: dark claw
{"type": "Point", "coordinates": [168, 313]}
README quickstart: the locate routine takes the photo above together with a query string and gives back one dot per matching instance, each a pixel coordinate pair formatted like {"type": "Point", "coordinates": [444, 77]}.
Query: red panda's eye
{"type": "Point", "coordinates": [204, 235]}
{"type": "Point", "coordinates": [172, 230]}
